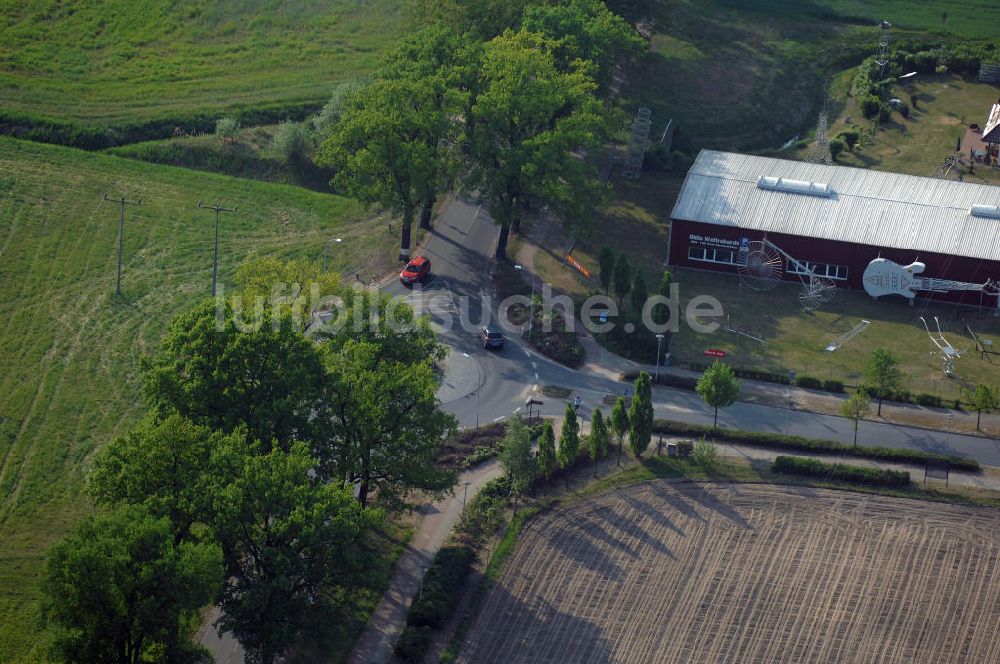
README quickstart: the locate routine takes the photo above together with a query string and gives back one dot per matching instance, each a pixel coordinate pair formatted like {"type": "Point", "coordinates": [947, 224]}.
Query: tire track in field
{"type": "Point", "coordinates": [679, 573]}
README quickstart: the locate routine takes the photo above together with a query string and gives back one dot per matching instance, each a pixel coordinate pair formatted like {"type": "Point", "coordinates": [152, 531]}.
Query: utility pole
{"type": "Point", "coordinates": [215, 259]}
{"type": "Point", "coordinates": [121, 235]}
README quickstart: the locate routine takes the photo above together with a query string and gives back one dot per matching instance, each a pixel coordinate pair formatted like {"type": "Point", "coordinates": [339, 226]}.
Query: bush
{"type": "Point", "coordinates": [870, 106]}
{"type": "Point", "coordinates": [904, 110]}
{"type": "Point", "coordinates": [480, 454]}
{"type": "Point", "coordinates": [290, 142]}
{"type": "Point", "coordinates": [930, 400]}
{"type": "Point", "coordinates": [836, 147]}
{"type": "Point", "coordinates": [808, 382]}
{"type": "Point", "coordinates": [704, 453]}
{"type": "Point", "coordinates": [413, 643]}
{"type": "Point", "coordinates": [851, 138]}
{"type": "Point", "coordinates": [841, 472]}
{"type": "Point", "coordinates": [778, 441]}
{"type": "Point", "coordinates": [833, 386]}
{"type": "Point", "coordinates": [884, 113]}
{"type": "Point", "coordinates": [227, 129]}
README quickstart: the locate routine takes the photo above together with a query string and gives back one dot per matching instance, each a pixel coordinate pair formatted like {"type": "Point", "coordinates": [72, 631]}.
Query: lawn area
{"type": "Point", "coordinates": [120, 62]}
{"type": "Point", "coordinates": [919, 144]}
{"type": "Point", "coordinates": [69, 349]}
{"type": "Point", "coordinates": [796, 340]}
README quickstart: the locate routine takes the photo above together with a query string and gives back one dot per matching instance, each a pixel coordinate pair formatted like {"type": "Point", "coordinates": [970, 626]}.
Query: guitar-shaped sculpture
{"type": "Point", "coordinates": [885, 277]}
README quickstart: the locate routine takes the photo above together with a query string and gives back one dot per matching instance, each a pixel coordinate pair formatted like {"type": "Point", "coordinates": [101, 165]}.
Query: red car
{"type": "Point", "coordinates": [416, 270]}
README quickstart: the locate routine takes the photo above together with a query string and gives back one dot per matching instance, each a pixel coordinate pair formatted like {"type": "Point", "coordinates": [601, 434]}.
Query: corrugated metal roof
{"type": "Point", "coordinates": [991, 132]}
{"type": "Point", "coordinates": [866, 207]}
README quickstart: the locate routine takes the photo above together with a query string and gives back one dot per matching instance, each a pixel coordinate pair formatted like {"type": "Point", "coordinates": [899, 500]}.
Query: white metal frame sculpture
{"type": "Point", "coordinates": [947, 354]}
{"type": "Point", "coordinates": [761, 267]}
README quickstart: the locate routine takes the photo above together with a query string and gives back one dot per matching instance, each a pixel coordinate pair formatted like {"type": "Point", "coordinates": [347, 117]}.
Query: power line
{"type": "Point", "coordinates": [121, 235]}
{"type": "Point", "coordinates": [215, 259]}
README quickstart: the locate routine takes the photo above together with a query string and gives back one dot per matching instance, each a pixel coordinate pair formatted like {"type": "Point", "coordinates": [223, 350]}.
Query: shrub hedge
{"type": "Point", "coordinates": [98, 137]}
{"type": "Point", "coordinates": [779, 441]}
{"type": "Point", "coordinates": [435, 602]}
{"type": "Point", "coordinates": [838, 471]}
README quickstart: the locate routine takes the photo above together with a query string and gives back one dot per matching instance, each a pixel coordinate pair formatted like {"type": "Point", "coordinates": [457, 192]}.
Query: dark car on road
{"type": "Point", "coordinates": [491, 337]}
{"type": "Point", "coordinates": [416, 270]}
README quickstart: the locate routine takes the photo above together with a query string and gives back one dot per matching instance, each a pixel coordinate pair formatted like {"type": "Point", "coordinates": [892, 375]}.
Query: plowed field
{"type": "Point", "coordinates": [695, 573]}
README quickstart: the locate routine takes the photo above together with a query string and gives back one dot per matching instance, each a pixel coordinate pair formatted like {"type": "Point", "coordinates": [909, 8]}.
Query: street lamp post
{"type": "Point", "coordinates": [656, 372]}
{"type": "Point", "coordinates": [531, 304]}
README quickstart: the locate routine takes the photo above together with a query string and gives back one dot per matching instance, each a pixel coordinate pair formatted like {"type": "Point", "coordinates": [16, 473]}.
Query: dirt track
{"type": "Point", "coordinates": [684, 573]}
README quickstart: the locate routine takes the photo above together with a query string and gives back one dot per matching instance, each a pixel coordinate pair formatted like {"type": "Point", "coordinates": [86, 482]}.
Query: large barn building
{"type": "Point", "coordinates": [836, 220]}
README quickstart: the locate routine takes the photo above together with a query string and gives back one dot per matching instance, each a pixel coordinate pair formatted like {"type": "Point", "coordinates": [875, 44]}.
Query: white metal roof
{"type": "Point", "coordinates": [864, 206]}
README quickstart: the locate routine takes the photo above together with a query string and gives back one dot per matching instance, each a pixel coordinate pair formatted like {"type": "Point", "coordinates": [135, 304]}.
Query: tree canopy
{"type": "Point", "coordinates": [883, 374]}
{"type": "Point", "coordinates": [526, 120]}
{"type": "Point", "coordinates": [640, 415]}
{"type": "Point", "coordinates": [289, 541]}
{"type": "Point", "coordinates": [385, 424]}
{"type": "Point", "coordinates": [718, 386]}
{"type": "Point", "coordinates": [164, 465]}
{"type": "Point", "coordinates": [569, 438]}
{"type": "Point", "coordinates": [585, 31]}
{"type": "Point", "coordinates": [222, 373]}
{"type": "Point", "coordinates": [116, 588]}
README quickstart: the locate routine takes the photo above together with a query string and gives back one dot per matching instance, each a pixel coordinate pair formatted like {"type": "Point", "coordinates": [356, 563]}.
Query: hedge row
{"type": "Point", "coordinates": [812, 383]}
{"type": "Point", "coordinates": [838, 471]}
{"type": "Point", "coordinates": [99, 137]}
{"type": "Point", "coordinates": [779, 441]}
{"type": "Point", "coordinates": [435, 602]}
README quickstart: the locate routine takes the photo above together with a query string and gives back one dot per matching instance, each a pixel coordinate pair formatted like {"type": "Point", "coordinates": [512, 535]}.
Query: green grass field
{"type": "Point", "coordinates": [69, 349]}
{"type": "Point", "coordinates": [118, 62]}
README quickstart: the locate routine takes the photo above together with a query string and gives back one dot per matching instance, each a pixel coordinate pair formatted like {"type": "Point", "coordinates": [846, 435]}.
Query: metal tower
{"type": "Point", "coordinates": [637, 145]}
{"type": "Point", "coordinates": [882, 54]}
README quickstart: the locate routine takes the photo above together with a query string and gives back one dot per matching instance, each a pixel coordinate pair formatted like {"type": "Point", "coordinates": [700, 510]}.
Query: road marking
{"type": "Point", "coordinates": [536, 376]}
{"type": "Point", "coordinates": [497, 419]}
{"type": "Point", "coordinates": [517, 410]}
{"type": "Point", "coordinates": [526, 352]}
{"type": "Point", "coordinates": [534, 365]}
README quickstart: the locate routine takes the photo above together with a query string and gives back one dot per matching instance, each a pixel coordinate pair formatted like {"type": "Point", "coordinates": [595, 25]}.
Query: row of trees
{"type": "Point", "coordinates": [506, 111]}
{"type": "Point", "coordinates": [250, 481]}
{"type": "Point", "coordinates": [635, 421]}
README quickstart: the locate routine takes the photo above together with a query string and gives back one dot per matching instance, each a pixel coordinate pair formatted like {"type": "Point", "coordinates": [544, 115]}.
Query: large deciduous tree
{"type": "Point", "coordinates": [118, 587]}
{"type": "Point", "coordinates": [223, 372]}
{"type": "Point", "coordinates": [164, 465]}
{"type": "Point", "coordinates": [396, 143]}
{"type": "Point", "coordinates": [290, 543]}
{"type": "Point", "coordinates": [718, 386]}
{"type": "Point", "coordinates": [385, 425]}
{"type": "Point", "coordinates": [441, 62]}
{"type": "Point", "coordinates": [585, 30]}
{"type": "Point", "coordinates": [526, 120]}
